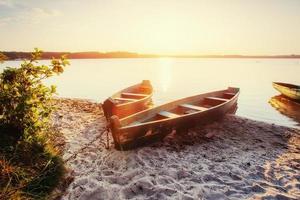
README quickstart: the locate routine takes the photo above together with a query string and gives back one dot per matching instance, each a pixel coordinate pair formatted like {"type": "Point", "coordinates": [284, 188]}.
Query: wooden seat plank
{"type": "Point", "coordinates": [230, 93]}
{"type": "Point", "coordinates": [133, 95]}
{"type": "Point", "coordinates": [168, 114]}
{"type": "Point", "coordinates": [217, 99]}
{"type": "Point", "coordinates": [136, 123]}
{"type": "Point", "coordinates": [124, 99]}
{"type": "Point", "coordinates": [193, 107]}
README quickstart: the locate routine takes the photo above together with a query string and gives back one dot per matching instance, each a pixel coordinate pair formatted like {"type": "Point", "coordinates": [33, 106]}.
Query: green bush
{"type": "Point", "coordinates": [30, 168]}
{"type": "Point", "coordinates": [2, 57]}
{"type": "Point", "coordinates": [25, 102]}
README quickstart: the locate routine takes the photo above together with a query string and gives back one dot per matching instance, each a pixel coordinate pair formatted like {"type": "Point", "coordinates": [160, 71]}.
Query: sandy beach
{"type": "Point", "coordinates": [235, 158]}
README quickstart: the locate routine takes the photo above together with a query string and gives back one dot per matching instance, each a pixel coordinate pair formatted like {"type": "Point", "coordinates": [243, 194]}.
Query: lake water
{"type": "Point", "coordinates": [177, 78]}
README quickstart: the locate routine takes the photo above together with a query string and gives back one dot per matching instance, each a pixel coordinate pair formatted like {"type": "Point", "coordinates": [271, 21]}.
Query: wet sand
{"type": "Point", "coordinates": [235, 158]}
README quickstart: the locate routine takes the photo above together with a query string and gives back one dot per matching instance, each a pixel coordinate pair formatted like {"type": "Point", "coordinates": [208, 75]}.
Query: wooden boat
{"type": "Point", "coordinates": [286, 107]}
{"type": "Point", "coordinates": [288, 90]}
{"type": "Point", "coordinates": [128, 101]}
{"type": "Point", "coordinates": [155, 123]}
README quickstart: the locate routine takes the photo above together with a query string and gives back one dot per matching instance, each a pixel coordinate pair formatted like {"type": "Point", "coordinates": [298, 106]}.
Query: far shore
{"type": "Point", "coordinates": [235, 158]}
{"type": "Point", "coordinates": [14, 55]}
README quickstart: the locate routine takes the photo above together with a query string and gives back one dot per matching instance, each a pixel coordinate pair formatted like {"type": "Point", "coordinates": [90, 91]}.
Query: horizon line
{"type": "Point", "coordinates": [159, 54]}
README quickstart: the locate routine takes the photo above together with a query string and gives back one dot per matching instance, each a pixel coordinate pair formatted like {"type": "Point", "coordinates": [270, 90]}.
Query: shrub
{"type": "Point", "coordinates": [29, 166]}
{"type": "Point", "coordinates": [2, 57]}
{"type": "Point", "coordinates": [25, 102]}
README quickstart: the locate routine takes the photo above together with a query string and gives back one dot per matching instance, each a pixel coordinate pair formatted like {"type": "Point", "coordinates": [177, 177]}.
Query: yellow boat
{"type": "Point", "coordinates": [289, 90]}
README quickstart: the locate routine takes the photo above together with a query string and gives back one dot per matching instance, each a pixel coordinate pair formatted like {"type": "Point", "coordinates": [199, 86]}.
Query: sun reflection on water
{"type": "Point", "coordinates": [165, 75]}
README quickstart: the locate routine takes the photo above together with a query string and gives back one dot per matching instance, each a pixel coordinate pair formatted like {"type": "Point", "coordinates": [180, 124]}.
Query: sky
{"type": "Point", "coordinates": [248, 27]}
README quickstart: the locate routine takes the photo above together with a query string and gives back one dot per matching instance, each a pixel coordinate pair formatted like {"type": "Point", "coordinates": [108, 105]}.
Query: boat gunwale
{"type": "Point", "coordinates": [286, 85]}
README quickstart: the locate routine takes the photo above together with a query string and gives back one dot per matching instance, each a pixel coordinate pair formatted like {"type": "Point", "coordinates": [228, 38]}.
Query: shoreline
{"type": "Point", "coordinates": [177, 57]}
{"type": "Point", "coordinates": [235, 158]}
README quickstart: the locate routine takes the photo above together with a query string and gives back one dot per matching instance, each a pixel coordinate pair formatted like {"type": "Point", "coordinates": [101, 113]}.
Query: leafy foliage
{"type": "Point", "coordinates": [2, 57]}
{"type": "Point", "coordinates": [25, 102]}
{"type": "Point", "coordinates": [30, 168]}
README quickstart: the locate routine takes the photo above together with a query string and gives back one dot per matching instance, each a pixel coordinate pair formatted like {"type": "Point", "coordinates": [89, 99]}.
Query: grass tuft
{"type": "Point", "coordinates": [29, 169]}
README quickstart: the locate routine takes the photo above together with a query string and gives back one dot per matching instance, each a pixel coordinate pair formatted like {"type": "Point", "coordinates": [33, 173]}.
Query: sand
{"type": "Point", "coordinates": [235, 158]}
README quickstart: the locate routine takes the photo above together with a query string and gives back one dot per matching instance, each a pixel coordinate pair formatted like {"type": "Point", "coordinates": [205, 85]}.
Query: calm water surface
{"type": "Point", "coordinates": [177, 78]}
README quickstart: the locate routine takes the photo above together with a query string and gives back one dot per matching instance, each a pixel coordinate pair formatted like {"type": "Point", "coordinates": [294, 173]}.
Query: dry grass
{"type": "Point", "coordinates": [29, 169]}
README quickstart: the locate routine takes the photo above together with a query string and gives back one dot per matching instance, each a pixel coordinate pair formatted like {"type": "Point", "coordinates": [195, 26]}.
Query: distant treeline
{"type": "Point", "coordinates": [13, 55]}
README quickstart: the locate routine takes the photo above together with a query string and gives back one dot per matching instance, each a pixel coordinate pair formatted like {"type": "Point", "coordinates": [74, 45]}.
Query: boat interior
{"type": "Point", "coordinates": [185, 107]}
{"type": "Point", "coordinates": [132, 94]}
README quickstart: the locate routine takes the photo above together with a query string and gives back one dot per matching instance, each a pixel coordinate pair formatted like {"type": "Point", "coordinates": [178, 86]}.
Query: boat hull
{"type": "Point", "coordinates": [288, 90]}
{"type": "Point", "coordinates": [286, 107]}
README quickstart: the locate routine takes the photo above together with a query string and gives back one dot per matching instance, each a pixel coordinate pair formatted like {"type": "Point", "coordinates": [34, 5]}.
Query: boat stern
{"type": "Point", "coordinates": [146, 86]}
{"type": "Point", "coordinates": [115, 125]}
{"type": "Point", "coordinates": [233, 89]}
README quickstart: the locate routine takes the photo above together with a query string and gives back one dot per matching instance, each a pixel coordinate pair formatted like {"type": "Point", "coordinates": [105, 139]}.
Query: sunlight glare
{"type": "Point", "coordinates": [165, 75]}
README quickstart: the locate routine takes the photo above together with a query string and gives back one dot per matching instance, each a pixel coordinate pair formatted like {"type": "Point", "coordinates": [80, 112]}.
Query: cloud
{"type": "Point", "coordinates": [7, 3]}
{"type": "Point", "coordinates": [37, 15]}
{"type": "Point", "coordinates": [29, 16]}
{"type": "Point", "coordinates": [4, 21]}
{"type": "Point", "coordinates": [40, 12]}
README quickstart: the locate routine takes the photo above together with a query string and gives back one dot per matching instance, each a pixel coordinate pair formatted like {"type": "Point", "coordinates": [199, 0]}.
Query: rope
{"type": "Point", "coordinates": [74, 155]}
{"type": "Point", "coordinates": [107, 138]}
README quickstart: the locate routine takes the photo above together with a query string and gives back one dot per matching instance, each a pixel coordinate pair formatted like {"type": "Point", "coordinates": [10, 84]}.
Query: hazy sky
{"type": "Point", "coordinates": [152, 26]}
